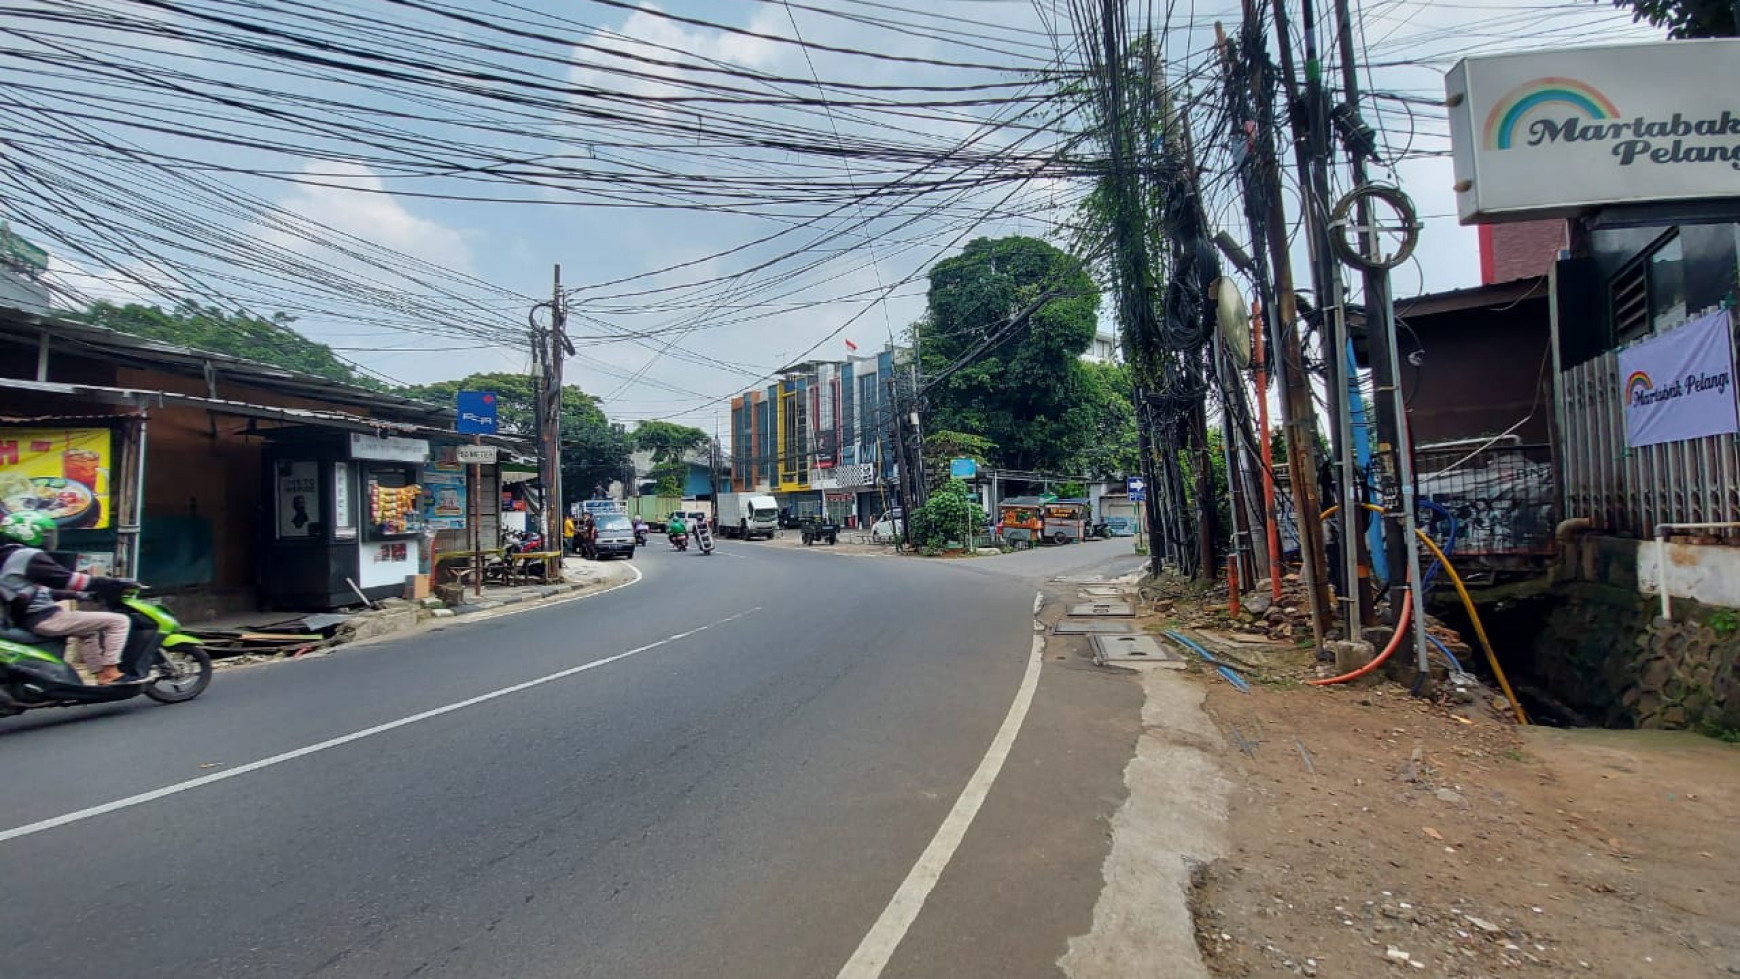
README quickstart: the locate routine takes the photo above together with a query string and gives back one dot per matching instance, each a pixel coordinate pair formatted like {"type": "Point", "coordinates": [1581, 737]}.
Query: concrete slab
{"type": "Point", "coordinates": [1104, 591]}
{"type": "Point", "coordinates": [1103, 608]}
{"type": "Point", "coordinates": [1079, 627]}
{"type": "Point", "coordinates": [1135, 649]}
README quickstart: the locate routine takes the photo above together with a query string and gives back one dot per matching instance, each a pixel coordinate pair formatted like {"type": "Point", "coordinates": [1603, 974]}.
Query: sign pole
{"type": "Point", "coordinates": [471, 488]}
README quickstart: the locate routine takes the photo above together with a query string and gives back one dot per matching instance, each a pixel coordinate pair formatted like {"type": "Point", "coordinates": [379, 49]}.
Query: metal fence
{"type": "Point", "coordinates": [1503, 497]}
{"type": "Point", "coordinates": [1627, 490]}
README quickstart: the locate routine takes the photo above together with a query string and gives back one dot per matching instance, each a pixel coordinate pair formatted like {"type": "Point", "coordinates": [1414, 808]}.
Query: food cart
{"type": "Point", "coordinates": [1066, 521]}
{"type": "Point", "coordinates": [1022, 519]}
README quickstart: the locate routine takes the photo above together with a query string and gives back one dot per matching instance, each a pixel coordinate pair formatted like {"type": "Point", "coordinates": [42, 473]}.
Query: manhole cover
{"type": "Point", "coordinates": [1078, 627]}
{"type": "Point", "coordinates": [1133, 649]}
{"type": "Point", "coordinates": [1104, 608]}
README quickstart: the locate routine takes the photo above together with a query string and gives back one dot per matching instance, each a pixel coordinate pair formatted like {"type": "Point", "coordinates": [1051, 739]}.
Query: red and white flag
{"type": "Point", "coordinates": [851, 346]}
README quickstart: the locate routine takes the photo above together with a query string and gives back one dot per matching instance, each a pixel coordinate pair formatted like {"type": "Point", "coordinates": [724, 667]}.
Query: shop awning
{"type": "Point", "coordinates": [339, 420]}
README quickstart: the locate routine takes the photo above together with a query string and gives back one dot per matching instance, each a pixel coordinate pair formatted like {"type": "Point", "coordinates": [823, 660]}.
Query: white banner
{"type": "Point", "coordinates": [1680, 385]}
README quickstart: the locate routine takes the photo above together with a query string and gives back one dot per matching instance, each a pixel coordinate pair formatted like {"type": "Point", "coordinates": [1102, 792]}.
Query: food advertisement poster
{"type": "Point", "coordinates": [63, 472]}
{"type": "Point", "coordinates": [444, 492]}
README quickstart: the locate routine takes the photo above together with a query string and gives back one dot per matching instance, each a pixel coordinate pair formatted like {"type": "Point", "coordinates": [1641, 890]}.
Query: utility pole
{"type": "Point", "coordinates": [556, 346]}
{"type": "Point", "coordinates": [1378, 321]}
{"type": "Point", "coordinates": [1298, 413]}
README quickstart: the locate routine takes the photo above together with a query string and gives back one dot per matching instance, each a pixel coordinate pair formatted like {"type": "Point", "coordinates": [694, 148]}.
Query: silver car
{"type": "Point", "coordinates": [615, 535]}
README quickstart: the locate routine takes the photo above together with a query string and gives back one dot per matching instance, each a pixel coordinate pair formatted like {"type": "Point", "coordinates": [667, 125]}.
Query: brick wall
{"type": "Point", "coordinates": [1520, 250]}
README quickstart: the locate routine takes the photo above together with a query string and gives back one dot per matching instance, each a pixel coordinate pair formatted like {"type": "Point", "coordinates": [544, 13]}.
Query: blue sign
{"type": "Point", "coordinates": [1138, 489]}
{"type": "Point", "coordinates": [963, 468]}
{"type": "Point", "coordinates": [476, 413]}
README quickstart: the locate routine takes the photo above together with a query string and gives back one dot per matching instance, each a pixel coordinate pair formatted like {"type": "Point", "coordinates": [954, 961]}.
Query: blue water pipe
{"type": "Point", "coordinates": [1374, 532]}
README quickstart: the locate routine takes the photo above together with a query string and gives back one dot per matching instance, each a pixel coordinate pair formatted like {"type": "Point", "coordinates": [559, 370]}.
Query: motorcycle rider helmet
{"type": "Point", "coordinates": [31, 529]}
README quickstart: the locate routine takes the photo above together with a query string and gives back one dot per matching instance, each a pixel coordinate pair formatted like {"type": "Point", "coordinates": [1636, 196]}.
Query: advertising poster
{"type": "Point", "coordinates": [63, 472]}
{"type": "Point", "coordinates": [444, 504]}
{"type": "Point", "coordinates": [298, 499]}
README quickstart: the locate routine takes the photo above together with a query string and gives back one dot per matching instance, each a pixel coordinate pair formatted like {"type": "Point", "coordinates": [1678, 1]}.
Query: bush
{"type": "Point", "coordinates": [951, 513]}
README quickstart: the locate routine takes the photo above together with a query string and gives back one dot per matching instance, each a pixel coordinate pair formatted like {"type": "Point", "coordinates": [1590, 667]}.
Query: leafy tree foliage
{"type": "Point", "coordinates": [951, 513]}
{"type": "Point", "coordinates": [1112, 448]}
{"type": "Point", "coordinates": [1685, 18]}
{"type": "Point", "coordinates": [668, 441]}
{"type": "Point", "coordinates": [269, 340]}
{"type": "Point", "coordinates": [594, 452]}
{"type": "Point", "coordinates": [1024, 395]}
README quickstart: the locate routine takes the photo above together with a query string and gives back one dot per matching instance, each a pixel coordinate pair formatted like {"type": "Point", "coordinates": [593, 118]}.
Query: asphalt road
{"type": "Point", "coordinates": [727, 769]}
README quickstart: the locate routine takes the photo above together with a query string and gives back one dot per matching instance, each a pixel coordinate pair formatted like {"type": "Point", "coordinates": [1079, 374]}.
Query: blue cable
{"type": "Point", "coordinates": [1455, 664]}
{"type": "Point", "coordinates": [1449, 539]}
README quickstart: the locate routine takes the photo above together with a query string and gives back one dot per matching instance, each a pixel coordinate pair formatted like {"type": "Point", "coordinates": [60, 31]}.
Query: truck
{"type": "Point", "coordinates": [654, 509]}
{"type": "Point", "coordinates": [746, 515]}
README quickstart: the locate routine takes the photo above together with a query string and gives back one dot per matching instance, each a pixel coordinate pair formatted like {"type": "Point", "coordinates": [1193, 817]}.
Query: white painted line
{"type": "Point", "coordinates": [534, 606]}
{"type": "Point", "coordinates": [142, 798]}
{"type": "Point", "coordinates": [890, 928]}
{"type": "Point", "coordinates": [1038, 602]}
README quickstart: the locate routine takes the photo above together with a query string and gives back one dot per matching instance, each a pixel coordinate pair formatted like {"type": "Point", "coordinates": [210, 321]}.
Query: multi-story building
{"type": "Point", "coordinates": [819, 436]}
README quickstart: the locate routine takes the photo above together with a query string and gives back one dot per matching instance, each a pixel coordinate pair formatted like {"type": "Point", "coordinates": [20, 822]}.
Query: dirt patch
{"type": "Point", "coordinates": [1413, 841]}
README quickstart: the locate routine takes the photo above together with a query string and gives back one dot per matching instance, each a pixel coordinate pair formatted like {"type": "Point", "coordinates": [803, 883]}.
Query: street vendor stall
{"type": "Point", "coordinates": [346, 516]}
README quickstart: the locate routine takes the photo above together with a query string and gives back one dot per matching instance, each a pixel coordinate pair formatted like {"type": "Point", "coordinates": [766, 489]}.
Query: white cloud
{"type": "Point", "coordinates": [351, 199]}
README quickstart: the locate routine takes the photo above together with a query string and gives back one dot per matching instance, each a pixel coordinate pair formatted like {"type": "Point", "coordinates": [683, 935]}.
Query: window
{"type": "Point", "coordinates": [1650, 294]}
{"type": "Point", "coordinates": [1667, 285]}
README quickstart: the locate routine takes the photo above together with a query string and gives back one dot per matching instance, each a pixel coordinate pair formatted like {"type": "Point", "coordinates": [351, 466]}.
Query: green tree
{"type": "Point", "coordinates": [669, 444]}
{"type": "Point", "coordinates": [1023, 393]}
{"type": "Point", "coordinates": [1111, 450]}
{"type": "Point", "coordinates": [951, 514]}
{"type": "Point", "coordinates": [270, 340]}
{"type": "Point", "coordinates": [1685, 18]}
{"type": "Point", "coordinates": [942, 447]}
{"type": "Point", "coordinates": [594, 452]}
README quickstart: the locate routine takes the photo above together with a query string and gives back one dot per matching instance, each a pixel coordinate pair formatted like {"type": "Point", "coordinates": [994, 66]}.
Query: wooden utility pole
{"type": "Point", "coordinates": [1298, 414]}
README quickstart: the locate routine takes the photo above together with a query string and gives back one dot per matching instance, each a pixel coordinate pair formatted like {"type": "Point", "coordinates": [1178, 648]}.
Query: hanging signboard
{"type": "Point", "coordinates": [475, 455]}
{"type": "Point", "coordinates": [963, 468]}
{"type": "Point", "coordinates": [388, 448]}
{"type": "Point", "coordinates": [62, 472]}
{"type": "Point", "coordinates": [476, 413]}
{"type": "Point", "coordinates": [1680, 385]}
{"type": "Point", "coordinates": [1546, 133]}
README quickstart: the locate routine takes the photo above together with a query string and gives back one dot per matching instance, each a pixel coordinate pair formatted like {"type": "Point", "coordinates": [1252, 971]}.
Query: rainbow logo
{"type": "Point", "coordinates": [1507, 114]}
{"type": "Point", "coordinates": [1636, 385]}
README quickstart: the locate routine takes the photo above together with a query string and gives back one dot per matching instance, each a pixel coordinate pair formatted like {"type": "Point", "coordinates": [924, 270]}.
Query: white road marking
{"type": "Point", "coordinates": [142, 798]}
{"type": "Point", "coordinates": [890, 929]}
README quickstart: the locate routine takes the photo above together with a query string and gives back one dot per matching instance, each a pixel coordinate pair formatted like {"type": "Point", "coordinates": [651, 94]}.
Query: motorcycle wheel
{"type": "Point", "coordinates": [183, 675]}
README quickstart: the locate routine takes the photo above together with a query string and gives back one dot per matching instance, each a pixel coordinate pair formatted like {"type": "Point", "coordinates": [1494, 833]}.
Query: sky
{"type": "Point", "coordinates": [722, 200]}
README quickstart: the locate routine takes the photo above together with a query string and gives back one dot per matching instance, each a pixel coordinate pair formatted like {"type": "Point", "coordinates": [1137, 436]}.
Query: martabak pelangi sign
{"type": "Point", "coordinates": [1552, 133]}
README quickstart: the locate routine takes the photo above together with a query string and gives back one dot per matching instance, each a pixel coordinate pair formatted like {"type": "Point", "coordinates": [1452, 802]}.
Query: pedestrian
{"type": "Point", "coordinates": [588, 537]}
{"type": "Point", "coordinates": [32, 583]}
{"type": "Point", "coordinates": [570, 533]}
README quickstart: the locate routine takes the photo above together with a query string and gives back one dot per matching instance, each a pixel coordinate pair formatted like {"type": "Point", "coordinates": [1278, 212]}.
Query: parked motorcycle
{"type": "Point", "coordinates": [171, 664]}
{"type": "Point", "coordinates": [680, 541]}
{"type": "Point", "coordinates": [519, 540]}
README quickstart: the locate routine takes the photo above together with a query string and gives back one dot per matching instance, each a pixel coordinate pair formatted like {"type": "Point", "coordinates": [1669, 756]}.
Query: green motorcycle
{"type": "Point", "coordinates": [170, 665]}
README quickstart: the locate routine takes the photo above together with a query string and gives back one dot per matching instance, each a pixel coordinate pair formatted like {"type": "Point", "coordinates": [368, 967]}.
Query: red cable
{"type": "Point", "coordinates": [1395, 643]}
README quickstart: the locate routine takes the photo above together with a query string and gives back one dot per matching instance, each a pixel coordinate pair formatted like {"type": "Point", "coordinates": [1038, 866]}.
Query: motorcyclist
{"type": "Point", "coordinates": [676, 527]}
{"type": "Point", "coordinates": [639, 529]}
{"type": "Point", "coordinates": [32, 583]}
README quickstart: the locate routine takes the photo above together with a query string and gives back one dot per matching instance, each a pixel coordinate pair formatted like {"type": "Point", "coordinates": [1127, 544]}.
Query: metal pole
{"type": "Point", "coordinates": [1410, 523]}
{"type": "Point", "coordinates": [472, 488]}
{"type": "Point", "coordinates": [1260, 359]}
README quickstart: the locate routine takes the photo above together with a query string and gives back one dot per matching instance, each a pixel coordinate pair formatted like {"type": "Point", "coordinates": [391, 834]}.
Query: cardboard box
{"type": "Point", "coordinates": [416, 587]}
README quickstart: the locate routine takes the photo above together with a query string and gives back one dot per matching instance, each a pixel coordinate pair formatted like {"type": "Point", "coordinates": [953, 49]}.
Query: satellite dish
{"type": "Point", "coordinates": [1234, 320]}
